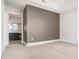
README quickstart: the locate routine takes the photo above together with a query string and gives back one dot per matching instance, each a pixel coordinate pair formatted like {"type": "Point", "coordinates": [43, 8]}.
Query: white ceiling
{"type": "Point", "coordinates": [16, 3]}
{"type": "Point", "coordinates": [55, 4]}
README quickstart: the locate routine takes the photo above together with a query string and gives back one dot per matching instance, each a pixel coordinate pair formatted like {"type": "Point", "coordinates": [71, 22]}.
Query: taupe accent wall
{"type": "Point", "coordinates": [42, 25]}
{"type": "Point", "coordinates": [25, 25]}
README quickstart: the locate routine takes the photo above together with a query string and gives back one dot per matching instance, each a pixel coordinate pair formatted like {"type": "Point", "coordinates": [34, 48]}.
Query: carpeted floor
{"type": "Point", "coordinates": [57, 50]}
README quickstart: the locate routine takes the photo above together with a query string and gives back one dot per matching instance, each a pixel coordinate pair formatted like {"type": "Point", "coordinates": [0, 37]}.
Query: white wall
{"type": "Point", "coordinates": [2, 25]}
{"type": "Point", "coordinates": [69, 26]}
{"type": "Point", "coordinates": [69, 4]}
{"type": "Point", "coordinates": [6, 30]}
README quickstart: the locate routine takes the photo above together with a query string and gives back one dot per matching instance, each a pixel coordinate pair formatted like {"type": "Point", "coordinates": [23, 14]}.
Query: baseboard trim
{"type": "Point", "coordinates": [40, 43]}
{"type": "Point", "coordinates": [69, 42]}
{"type": "Point", "coordinates": [44, 42]}
{"type": "Point", "coordinates": [24, 43]}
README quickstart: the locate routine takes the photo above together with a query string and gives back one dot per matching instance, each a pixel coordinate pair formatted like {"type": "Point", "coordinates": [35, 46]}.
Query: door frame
{"type": "Point", "coordinates": [7, 19]}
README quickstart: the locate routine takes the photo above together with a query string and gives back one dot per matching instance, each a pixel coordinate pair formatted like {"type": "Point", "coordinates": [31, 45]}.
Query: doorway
{"type": "Point", "coordinates": [14, 28]}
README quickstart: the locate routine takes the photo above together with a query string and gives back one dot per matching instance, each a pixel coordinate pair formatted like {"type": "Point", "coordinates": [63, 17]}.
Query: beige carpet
{"type": "Point", "coordinates": [57, 50]}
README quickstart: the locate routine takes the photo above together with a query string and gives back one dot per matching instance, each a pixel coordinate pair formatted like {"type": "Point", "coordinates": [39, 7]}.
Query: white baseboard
{"type": "Point", "coordinates": [44, 42]}
{"type": "Point", "coordinates": [24, 43]}
{"type": "Point", "coordinates": [40, 43]}
{"type": "Point", "coordinates": [68, 41]}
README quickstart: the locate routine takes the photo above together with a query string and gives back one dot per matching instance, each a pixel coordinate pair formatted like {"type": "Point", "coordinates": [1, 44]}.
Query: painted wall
{"type": "Point", "coordinates": [25, 24]}
{"type": "Point", "coordinates": [2, 25]}
{"type": "Point", "coordinates": [42, 25]}
{"type": "Point", "coordinates": [69, 26]}
{"type": "Point", "coordinates": [69, 4]}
